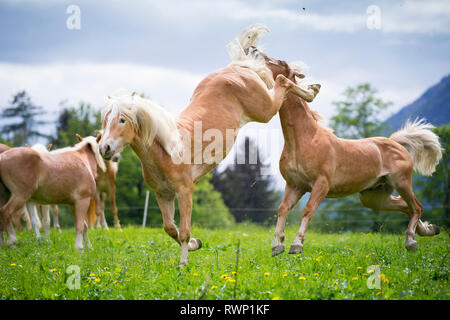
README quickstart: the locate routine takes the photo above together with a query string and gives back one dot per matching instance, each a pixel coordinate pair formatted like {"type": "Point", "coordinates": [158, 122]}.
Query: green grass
{"type": "Point", "coordinates": [142, 264]}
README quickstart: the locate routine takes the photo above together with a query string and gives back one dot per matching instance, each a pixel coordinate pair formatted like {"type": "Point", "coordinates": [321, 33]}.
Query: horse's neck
{"type": "Point", "coordinates": [90, 156]}
{"type": "Point", "coordinates": [297, 122]}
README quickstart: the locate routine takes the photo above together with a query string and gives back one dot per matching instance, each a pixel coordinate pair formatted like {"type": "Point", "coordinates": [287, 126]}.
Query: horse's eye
{"type": "Point", "coordinates": [122, 120]}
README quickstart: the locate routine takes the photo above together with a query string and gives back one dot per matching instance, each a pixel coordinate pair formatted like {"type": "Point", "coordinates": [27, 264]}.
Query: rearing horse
{"type": "Point", "coordinates": [317, 161]}
{"type": "Point", "coordinates": [222, 103]}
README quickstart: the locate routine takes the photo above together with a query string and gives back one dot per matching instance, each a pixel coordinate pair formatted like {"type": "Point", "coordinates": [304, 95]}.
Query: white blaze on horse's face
{"type": "Point", "coordinates": [117, 133]}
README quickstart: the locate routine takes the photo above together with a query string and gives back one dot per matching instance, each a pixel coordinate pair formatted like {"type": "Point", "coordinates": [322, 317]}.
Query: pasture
{"type": "Point", "coordinates": [139, 263]}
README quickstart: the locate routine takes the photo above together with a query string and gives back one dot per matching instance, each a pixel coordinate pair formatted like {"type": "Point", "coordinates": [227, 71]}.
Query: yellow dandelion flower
{"type": "Point", "coordinates": [371, 271]}
{"type": "Point", "coordinates": [20, 266]}
{"type": "Point", "coordinates": [86, 286]}
{"type": "Point", "coordinates": [302, 278]}
{"type": "Point", "coordinates": [318, 259]}
{"type": "Point", "coordinates": [276, 298]}
{"type": "Point", "coordinates": [234, 273]}
{"type": "Point", "coordinates": [97, 280]}
{"type": "Point", "coordinates": [285, 274]}
{"type": "Point", "coordinates": [378, 293]}
{"type": "Point", "coordinates": [386, 281]}
{"type": "Point", "coordinates": [335, 283]}
{"type": "Point", "coordinates": [359, 268]}
{"type": "Point", "coordinates": [115, 281]}
{"type": "Point", "coordinates": [214, 287]}
{"type": "Point", "coordinates": [12, 264]}
{"type": "Point", "coordinates": [106, 268]}
{"type": "Point", "coordinates": [92, 274]}
{"type": "Point", "coordinates": [230, 280]}
{"type": "Point", "coordinates": [52, 270]}
{"type": "Point", "coordinates": [382, 276]}
{"type": "Point", "coordinates": [355, 278]}
{"type": "Point", "coordinates": [58, 274]}
{"type": "Point", "coordinates": [267, 273]}
{"type": "Point", "coordinates": [224, 276]}
{"type": "Point", "coordinates": [320, 253]}
{"type": "Point", "coordinates": [316, 274]}
{"type": "Point", "coordinates": [195, 274]}
{"type": "Point", "coordinates": [367, 256]}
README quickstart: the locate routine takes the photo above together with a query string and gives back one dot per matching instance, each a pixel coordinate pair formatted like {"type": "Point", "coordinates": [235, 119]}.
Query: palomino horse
{"type": "Point", "coordinates": [171, 151]}
{"type": "Point", "coordinates": [25, 215]}
{"type": "Point", "coordinates": [315, 160]}
{"type": "Point", "coordinates": [65, 176]}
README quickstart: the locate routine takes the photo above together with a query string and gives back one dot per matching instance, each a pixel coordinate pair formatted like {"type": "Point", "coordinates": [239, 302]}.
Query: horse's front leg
{"type": "Point", "coordinates": [187, 244]}
{"type": "Point", "coordinates": [318, 193]}
{"type": "Point", "coordinates": [291, 197]}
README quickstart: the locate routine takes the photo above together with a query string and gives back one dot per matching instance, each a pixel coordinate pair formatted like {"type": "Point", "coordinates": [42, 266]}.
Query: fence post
{"type": "Point", "coordinates": [145, 209]}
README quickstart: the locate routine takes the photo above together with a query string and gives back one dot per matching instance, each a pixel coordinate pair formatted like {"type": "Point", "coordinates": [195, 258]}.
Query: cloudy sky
{"type": "Point", "coordinates": [164, 48]}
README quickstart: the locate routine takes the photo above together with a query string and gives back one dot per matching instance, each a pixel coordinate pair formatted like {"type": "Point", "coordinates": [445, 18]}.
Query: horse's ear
{"type": "Point", "coordinates": [99, 136]}
{"type": "Point", "coordinates": [79, 137]}
{"type": "Point", "coordinates": [49, 147]}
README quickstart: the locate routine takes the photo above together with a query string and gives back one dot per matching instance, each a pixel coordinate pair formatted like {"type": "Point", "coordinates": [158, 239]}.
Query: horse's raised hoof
{"type": "Point", "coordinates": [296, 248]}
{"type": "Point", "coordinates": [411, 245]}
{"type": "Point", "coordinates": [194, 244]}
{"type": "Point", "coordinates": [277, 250]}
{"type": "Point", "coordinates": [435, 230]}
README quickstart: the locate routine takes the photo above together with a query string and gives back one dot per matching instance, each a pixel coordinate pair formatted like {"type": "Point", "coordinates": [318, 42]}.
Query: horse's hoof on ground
{"type": "Point", "coordinates": [411, 245]}
{"type": "Point", "coordinates": [296, 248]}
{"type": "Point", "coordinates": [277, 250]}
{"type": "Point", "coordinates": [195, 244]}
{"type": "Point", "coordinates": [183, 264]}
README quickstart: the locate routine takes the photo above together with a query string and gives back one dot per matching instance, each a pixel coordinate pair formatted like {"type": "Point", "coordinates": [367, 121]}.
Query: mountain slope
{"type": "Point", "coordinates": [433, 105]}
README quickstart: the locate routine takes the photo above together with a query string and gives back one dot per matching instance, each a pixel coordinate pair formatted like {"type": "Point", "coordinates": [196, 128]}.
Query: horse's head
{"type": "Point", "coordinates": [116, 157]}
{"type": "Point", "coordinates": [118, 128]}
{"type": "Point", "coordinates": [277, 67]}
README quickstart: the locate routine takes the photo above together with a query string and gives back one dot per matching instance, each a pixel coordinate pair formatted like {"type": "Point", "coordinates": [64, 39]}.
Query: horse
{"type": "Point", "coordinates": [25, 215]}
{"type": "Point", "coordinates": [171, 150]}
{"type": "Point", "coordinates": [64, 176]}
{"type": "Point", "coordinates": [106, 187]}
{"type": "Point", "coordinates": [315, 160]}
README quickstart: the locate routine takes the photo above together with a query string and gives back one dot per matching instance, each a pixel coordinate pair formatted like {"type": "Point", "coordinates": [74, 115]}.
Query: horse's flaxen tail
{"type": "Point", "coordinates": [92, 214]}
{"type": "Point", "coordinates": [423, 144]}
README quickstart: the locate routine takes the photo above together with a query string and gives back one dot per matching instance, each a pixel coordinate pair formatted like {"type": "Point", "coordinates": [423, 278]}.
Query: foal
{"type": "Point", "coordinates": [65, 176]}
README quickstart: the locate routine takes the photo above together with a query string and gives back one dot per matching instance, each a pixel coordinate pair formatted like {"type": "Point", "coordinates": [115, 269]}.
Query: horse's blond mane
{"type": "Point", "coordinates": [149, 120]}
{"type": "Point", "coordinates": [254, 61]}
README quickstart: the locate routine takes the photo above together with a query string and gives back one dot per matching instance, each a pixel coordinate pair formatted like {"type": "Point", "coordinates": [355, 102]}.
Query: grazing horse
{"type": "Point", "coordinates": [64, 176]}
{"type": "Point", "coordinates": [171, 150]}
{"type": "Point", "coordinates": [317, 161]}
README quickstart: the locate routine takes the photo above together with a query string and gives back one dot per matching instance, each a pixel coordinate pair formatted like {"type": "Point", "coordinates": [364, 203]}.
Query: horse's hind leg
{"type": "Point", "coordinates": [291, 197]}
{"type": "Point", "coordinates": [45, 211]}
{"type": "Point", "coordinates": [55, 217]}
{"type": "Point", "coordinates": [31, 207]}
{"type": "Point", "coordinates": [11, 209]}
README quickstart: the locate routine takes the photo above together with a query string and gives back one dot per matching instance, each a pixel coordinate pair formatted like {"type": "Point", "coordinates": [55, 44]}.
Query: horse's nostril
{"type": "Point", "coordinates": [108, 148]}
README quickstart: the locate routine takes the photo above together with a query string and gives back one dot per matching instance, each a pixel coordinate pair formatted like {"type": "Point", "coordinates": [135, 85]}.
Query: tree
{"type": "Point", "coordinates": [84, 120]}
{"type": "Point", "coordinates": [358, 116]}
{"type": "Point", "coordinates": [248, 194]}
{"type": "Point", "coordinates": [23, 114]}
